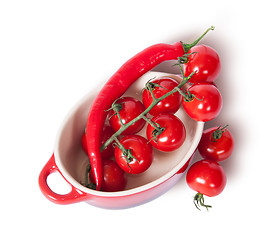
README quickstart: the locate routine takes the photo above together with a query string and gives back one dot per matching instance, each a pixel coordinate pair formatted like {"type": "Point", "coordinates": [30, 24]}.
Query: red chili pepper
{"type": "Point", "coordinates": [116, 86]}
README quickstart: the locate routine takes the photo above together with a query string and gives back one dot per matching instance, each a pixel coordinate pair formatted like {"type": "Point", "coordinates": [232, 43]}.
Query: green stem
{"type": "Point", "coordinates": [119, 117]}
{"type": "Point", "coordinates": [119, 145]}
{"type": "Point", "coordinates": [151, 122]}
{"type": "Point", "coordinates": [126, 152]}
{"type": "Point", "coordinates": [87, 184]}
{"type": "Point", "coordinates": [187, 47]}
{"type": "Point", "coordinates": [181, 70]}
{"type": "Point", "coordinates": [218, 132]}
{"type": "Point", "coordinates": [199, 201]}
{"type": "Point", "coordinates": [116, 107]}
{"type": "Point", "coordinates": [150, 89]}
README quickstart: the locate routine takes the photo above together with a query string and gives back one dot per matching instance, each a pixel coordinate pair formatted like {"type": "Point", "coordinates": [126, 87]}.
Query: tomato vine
{"type": "Point", "coordinates": [124, 126]}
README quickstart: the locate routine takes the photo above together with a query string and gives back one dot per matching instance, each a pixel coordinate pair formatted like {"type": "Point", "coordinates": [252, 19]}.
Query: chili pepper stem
{"type": "Point", "coordinates": [187, 47]}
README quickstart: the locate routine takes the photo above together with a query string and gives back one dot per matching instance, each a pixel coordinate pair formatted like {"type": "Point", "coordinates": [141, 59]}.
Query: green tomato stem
{"type": "Point", "coordinates": [198, 201]}
{"type": "Point", "coordinates": [149, 121]}
{"type": "Point", "coordinates": [218, 132]}
{"type": "Point", "coordinates": [87, 184]}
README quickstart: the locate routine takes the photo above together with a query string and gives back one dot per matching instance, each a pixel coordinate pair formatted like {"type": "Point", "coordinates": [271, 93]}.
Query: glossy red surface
{"type": "Point", "coordinates": [172, 137]}
{"type": "Point", "coordinates": [207, 103]}
{"type": "Point", "coordinates": [131, 108]}
{"type": "Point", "coordinates": [206, 177]}
{"type": "Point", "coordinates": [141, 151]}
{"type": "Point", "coordinates": [204, 62]}
{"type": "Point", "coordinates": [218, 150]}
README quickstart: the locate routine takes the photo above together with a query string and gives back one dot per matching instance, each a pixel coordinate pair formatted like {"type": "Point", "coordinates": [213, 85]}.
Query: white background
{"type": "Point", "coordinates": [53, 52]}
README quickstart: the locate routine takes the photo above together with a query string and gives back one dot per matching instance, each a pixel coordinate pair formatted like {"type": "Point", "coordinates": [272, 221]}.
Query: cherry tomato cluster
{"type": "Point", "coordinates": [132, 152]}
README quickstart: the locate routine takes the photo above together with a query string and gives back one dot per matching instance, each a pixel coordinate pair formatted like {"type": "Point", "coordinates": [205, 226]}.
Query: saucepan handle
{"type": "Point", "coordinates": [74, 196]}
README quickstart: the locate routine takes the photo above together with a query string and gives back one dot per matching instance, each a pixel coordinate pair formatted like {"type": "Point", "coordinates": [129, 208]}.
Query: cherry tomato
{"type": "Point", "coordinates": [160, 87]}
{"type": "Point", "coordinates": [114, 178]}
{"type": "Point", "coordinates": [206, 177]}
{"type": "Point", "coordinates": [169, 136]}
{"type": "Point", "coordinates": [206, 103]}
{"type": "Point", "coordinates": [216, 144]}
{"type": "Point", "coordinates": [107, 132]}
{"type": "Point", "coordinates": [138, 156]}
{"type": "Point", "coordinates": [129, 108]}
{"type": "Point", "coordinates": [205, 62]}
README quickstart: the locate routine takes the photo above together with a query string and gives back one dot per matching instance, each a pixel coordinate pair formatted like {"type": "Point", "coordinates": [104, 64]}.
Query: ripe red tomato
{"type": "Point", "coordinates": [130, 109]}
{"type": "Point", "coordinates": [173, 135]}
{"type": "Point", "coordinates": [216, 144]}
{"type": "Point", "coordinates": [204, 62]}
{"type": "Point", "coordinates": [206, 177]}
{"type": "Point", "coordinates": [171, 104]}
{"type": "Point", "coordinates": [207, 103]}
{"type": "Point", "coordinates": [114, 178]}
{"type": "Point", "coordinates": [142, 154]}
{"type": "Point", "coordinates": [107, 132]}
